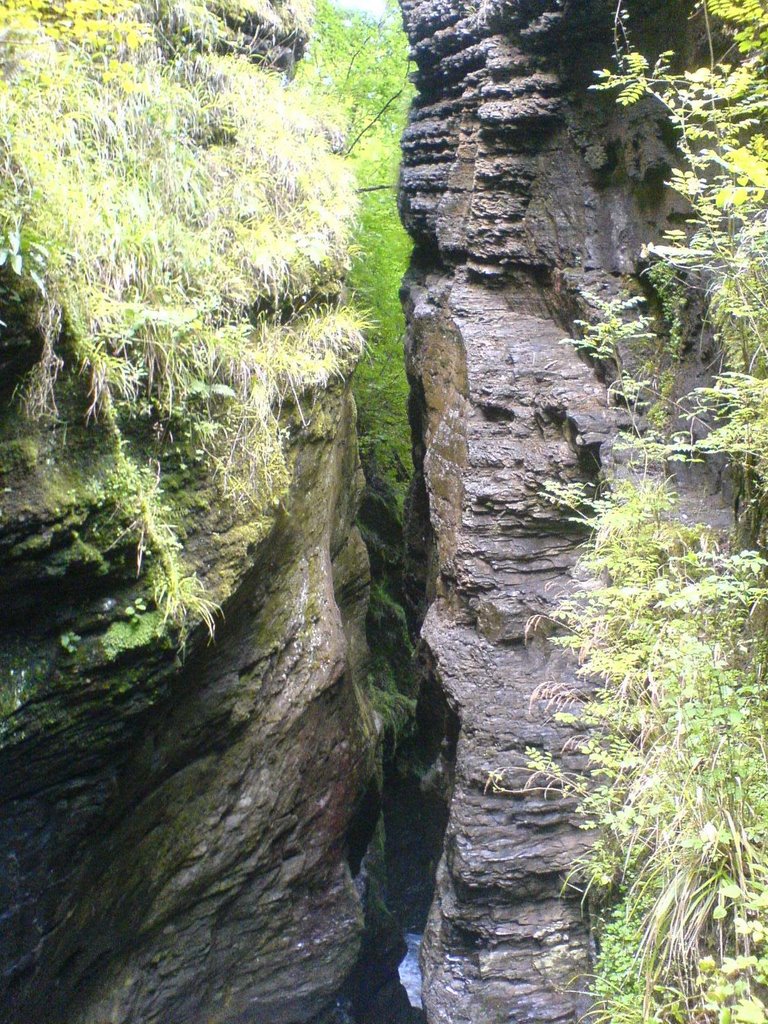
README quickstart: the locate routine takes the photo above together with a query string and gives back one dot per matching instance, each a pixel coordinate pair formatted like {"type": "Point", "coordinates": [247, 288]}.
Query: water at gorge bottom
{"type": "Point", "coordinates": [410, 970]}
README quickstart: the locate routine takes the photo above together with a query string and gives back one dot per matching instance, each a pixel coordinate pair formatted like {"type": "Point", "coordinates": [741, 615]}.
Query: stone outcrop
{"type": "Point", "coordinates": [176, 832]}
{"type": "Point", "coordinates": [527, 194]}
{"type": "Point", "coordinates": [174, 836]}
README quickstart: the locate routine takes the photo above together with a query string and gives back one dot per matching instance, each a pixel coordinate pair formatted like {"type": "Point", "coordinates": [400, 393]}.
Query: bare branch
{"type": "Point", "coordinates": [375, 120]}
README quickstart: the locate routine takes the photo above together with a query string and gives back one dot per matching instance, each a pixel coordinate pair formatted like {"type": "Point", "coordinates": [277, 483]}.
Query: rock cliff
{"type": "Point", "coordinates": [174, 835]}
{"type": "Point", "coordinates": [528, 195]}
{"type": "Point", "coordinates": [176, 831]}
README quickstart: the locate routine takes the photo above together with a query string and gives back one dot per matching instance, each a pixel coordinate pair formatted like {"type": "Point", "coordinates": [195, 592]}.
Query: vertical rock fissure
{"type": "Point", "coordinates": [394, 840]}
{"type": "Point", "coordinates": [395, 881]}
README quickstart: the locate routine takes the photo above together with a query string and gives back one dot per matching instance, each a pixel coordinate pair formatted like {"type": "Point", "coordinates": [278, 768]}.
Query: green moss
{"type": "Point", "coordinates": [397, 710]}
{"type": "Point", "coordinates": [19, 456]}
{"type": "Point", "coordinates": [617, 980]}
{"type": "Point", "coordinates": [140, 631]}
{"type": "Point", "coordinates": [673, 297]}
{"type": "Point", "coordinates": [82, 555]}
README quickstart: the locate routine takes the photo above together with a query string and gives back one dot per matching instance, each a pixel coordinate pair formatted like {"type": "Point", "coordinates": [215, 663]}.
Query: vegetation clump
{"type": "Point", "coordinates": [178, 217]}
{"type": "Point", "coordinates": [361, 64]}
{"type": "Point", "coordinates": [678, 750]}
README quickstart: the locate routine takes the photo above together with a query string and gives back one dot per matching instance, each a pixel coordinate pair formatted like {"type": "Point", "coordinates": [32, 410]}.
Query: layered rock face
{"type": "Point", "coordinates": [527, 194]}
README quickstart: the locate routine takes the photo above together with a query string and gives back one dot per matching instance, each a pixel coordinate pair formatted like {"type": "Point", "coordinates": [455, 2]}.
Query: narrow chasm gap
{"type": "Point", "coordinates": [361, 60]}
{"type": "Point", "coordinates": [415, 806]}
{"type": "Point", "coordinates": [408, 814]}
{"type": "Point", "coordinates": [395, 840]}
{"type": "Point", "coordinates": [395, 877]}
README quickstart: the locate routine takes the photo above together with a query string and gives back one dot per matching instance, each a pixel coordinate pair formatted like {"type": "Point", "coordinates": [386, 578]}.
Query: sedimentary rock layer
{"type": "Point", "coordinates": [526, 194]}
{"type": "Point", "coordinates": [175, 823]}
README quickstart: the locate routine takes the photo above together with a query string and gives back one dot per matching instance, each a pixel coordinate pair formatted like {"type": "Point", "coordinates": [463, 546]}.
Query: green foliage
{"type": "Point", "coordinates": [612, 328]}
{"type": "Point", "coordinates": [136, 493]}
{"type": "Point", "coordinates": [172, 219]}
{"type": "Point", "coordinates": [380, 383]}
{"type": "Point", "coordinates": [739, 404]}
{"type": "Point", "coordinates": [626, 342]}
{"type": "Point", "coordinates": [390, 671]}
{"type": "Point", "coordinates": [619, 983]}
{"type": "Point", "coordinates": [670, 618]}
{"type": "Point", "coordinates": [138, 630]}
{"type": "Point", "coordinates": [678, 748]}
{"type": "Point", "coordinates": [719, 112]}
{"type": "Point", "coordinates": [361, 64]}
{"type": "Point", "coordinates": [70, 642]}
{"type": "Point", "coordinates": [97, 24]}
{"type": "Point", "coordinates": [670, 290]}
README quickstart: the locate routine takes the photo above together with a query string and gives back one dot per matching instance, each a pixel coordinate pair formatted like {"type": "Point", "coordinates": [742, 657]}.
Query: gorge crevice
{"type": "Point", "coordinates": [245, 834]}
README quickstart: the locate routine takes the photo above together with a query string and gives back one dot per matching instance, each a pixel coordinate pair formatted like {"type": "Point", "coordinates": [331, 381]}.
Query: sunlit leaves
{"type": "Point", "coordinates": [672, 625]}
{"type": "Point", "coordinates": [361, 64]}
{"type": "Point", "coordinates": [96, 23]}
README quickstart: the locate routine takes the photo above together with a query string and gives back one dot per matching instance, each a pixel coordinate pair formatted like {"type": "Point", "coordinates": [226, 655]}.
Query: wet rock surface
{"type": "Point", "coordinates": [527, 195]}
{"type": "Point", "coordinates": [174, 836]}
{"type": "Point", "coordinates": [176, 833]}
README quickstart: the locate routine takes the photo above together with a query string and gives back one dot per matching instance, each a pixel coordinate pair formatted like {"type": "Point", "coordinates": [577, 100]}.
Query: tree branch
{"type": "Point", "coordinates": [371, 123]}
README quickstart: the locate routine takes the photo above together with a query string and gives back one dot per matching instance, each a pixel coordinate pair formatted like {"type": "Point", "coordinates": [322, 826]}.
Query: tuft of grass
{"type": "Point", "coordinates": [672, 624]}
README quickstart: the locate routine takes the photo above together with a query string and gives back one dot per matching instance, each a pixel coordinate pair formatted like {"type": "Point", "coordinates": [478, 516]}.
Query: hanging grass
{"type": "Point", "coordinates": [178, 219]}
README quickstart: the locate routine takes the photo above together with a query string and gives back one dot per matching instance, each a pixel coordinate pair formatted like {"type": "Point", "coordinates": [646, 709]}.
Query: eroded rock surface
{"type": "Point", "coordinates": [526, 194]}
{"type": "Point", "coordinates": [175, 833]}
{"type": "Point", "coordinates": [174, 837]}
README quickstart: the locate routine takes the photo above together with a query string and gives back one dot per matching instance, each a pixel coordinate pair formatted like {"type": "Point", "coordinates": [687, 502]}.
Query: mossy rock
{"type": "Point", "coordinates": [18, 457]}
{"type": "Point", "coordinates": [137, 632]}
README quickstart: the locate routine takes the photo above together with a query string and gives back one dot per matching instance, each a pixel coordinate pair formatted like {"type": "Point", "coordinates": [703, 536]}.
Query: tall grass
{"type": "Point", "coordinates": [675, 632]}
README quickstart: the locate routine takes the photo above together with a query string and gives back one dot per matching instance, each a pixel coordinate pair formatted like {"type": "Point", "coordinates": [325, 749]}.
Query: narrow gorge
{"type": "Point", "coordinates": [234, 787]}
